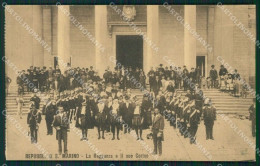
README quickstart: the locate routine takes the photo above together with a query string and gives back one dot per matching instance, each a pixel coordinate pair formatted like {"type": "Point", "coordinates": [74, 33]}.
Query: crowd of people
{"type": "Point", "coordinates": [52, 79]}
{"type": "Point", "coordinates": [109, 104]}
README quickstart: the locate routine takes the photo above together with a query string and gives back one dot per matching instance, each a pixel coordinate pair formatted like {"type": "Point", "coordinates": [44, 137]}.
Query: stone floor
{"type": "Point", "coordinates": [227, 146]}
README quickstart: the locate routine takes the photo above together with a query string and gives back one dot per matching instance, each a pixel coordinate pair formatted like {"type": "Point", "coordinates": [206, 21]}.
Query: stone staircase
{"type": "Point", "coordinates": [11, 106]}
{"type": "Point", "coordinates": [226, 103]}
{"type": "Point", "coordinates": [222, 101]}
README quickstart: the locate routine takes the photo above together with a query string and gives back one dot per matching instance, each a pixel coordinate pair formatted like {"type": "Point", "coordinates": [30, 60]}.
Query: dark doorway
{"type": "Point", "coordinates": [200, 62]}
{"type": "Point", "coordinates": [129, 50]}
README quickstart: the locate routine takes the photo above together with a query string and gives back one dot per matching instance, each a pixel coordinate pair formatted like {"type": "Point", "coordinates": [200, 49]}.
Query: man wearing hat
{"type": "Point", "coordinates": [209, 116]}
{"type": "Point", "coordinates": [193, 122]}
{"type": "Point", "coordinates": [33, 120]}
{"type": "Point", "coordinates": [50, 112]}
{"type": "Point", "coordinates": [198, 96]}
{"type": "Point", "coordinates": [213, 76]}
{"type": "Point", "coordinates": [61, 124]}
{"type": "Point", "coordinates": [36, 99]}
{"type": "Point", "coordinates": [222, 71]}
{"type": "Point", "coordinates": [157, 131]}
{"type": "Point", "coordinates": [147, 109]}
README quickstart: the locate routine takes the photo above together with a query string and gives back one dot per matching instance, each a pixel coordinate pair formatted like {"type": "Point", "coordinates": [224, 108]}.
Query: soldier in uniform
{"type": "Point", "coordinates": [198, 96]}
{"type": "Point", "coordinates": [157, 131]}
{"type": "Point", "coordinates": [184, 116]}
{"type": "Point", "coordinates": [36, 100]}
{"type": "Point", "coordinates": [51, 111]}
{"type": "Point", "coordinates": [33, 121]}
{"type": "Point", "coordinates": [252, 112]}
{"type": "Point", "coordinates": [193, 122]}
{"type": "Point", "coordinates": [61, 124]}
{"type": "Point", "coordinates": [209, 116]}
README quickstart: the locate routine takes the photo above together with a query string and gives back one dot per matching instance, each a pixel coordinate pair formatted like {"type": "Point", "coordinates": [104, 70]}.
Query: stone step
{"type": "Point", "coordinates": [220, 102]}
{"type": "Point", "coordinates": [232, 106]}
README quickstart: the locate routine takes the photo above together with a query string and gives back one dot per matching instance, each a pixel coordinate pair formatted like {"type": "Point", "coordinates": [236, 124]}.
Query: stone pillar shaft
{"type": "Point", "coordinates": [152, 35]}
{"type": "Point", "coordinates": [189, 39]}
{"type": "Point", "coordinates": [63, 37]}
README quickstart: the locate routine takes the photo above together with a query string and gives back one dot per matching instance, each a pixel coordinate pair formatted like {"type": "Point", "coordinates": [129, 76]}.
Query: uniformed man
{"type": "Point", "coordinates": [252, 112]}
{"type": "Point", "coordinates": [50, 112]}
{"type": "Point", "coordinates": [33, 121]}
{"type": "Point", "coordinates": [209, 116]}
{"type": "Point", "coordinates": [61, 124]}
{"type": "Point", "coordinates": [36, 99]}
{"type": "Point", "coordinates": [194, 120]}
{"type": "Point", "coordinates": [157, 131]}
{"type": "Point", "coordinates": [198, 96]}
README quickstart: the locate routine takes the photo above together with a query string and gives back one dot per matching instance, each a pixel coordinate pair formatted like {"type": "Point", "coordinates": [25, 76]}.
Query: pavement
{"type": "Point", "coordinates": [227, 145]}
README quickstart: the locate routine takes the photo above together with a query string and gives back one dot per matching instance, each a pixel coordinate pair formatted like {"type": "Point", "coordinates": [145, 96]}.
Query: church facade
{"type": "Point", "coordinates": [141, 36]}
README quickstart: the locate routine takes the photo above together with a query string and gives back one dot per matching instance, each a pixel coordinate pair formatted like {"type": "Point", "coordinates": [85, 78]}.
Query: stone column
{"type": "Point", "coordinates": [101, 34]}
{"type": "Point", "coordinates": [47, 35]}
{"type": "Point", "coordinates": [152, 35]}
{"type": "Point", "coordinates": [210, 56]}
{"type": "Point", "coordinates": [189, 39]}
{"type": "Point", "coordinates": [63, 36]}
{"type": "Point", "coordinates": [37, 48]}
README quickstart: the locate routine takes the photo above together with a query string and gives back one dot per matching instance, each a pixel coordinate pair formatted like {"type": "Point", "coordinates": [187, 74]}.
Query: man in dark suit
{"type": "Point", "coordinates": [194, 120]}
{"type": "Point", "coordinates": [209, 116]}
{"type": "Point", "coordinates": [156, 85]}
{"type": "Point", "coordinates": [51, 109]}
{"type": "Point", "coordinates": [127, 114]}
{"type": "Point", "coordinates": [36, 100]}
{"type": "Point", "coordinates": [33, 121]}
{"type": "Point", "coordinates": [61, 124]}
{"type": "Point", "coordinates": [213, 76]}
{"type": "Point", "coordinates": [157, 131]}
